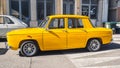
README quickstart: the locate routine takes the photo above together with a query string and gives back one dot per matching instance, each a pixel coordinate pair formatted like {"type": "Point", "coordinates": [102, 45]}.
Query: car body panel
{"type": "Point", "coordinates": [3, 29]}
{"type": "Point", "coordinates": [104, 34]}
{"type": "Point", "coordinates": [54, 39]}
{"type": "Point", "coordinates": [73, 35]}
{"type": "Point", "coordinates": [10, 23]}
{"type": "Point", "coordinates": [62, 38]}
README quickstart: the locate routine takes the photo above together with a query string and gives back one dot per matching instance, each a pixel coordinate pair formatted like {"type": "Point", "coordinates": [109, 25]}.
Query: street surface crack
{"type": "Point", "coordinates": [30, 62]}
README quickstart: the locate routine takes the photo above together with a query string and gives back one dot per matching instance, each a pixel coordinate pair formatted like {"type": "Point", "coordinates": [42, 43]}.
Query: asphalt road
{"type": "Point", "coordinates": [107, 57]}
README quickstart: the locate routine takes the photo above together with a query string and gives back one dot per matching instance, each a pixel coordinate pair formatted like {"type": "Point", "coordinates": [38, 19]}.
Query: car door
{"type": "Point", "coordinates": [3, 27]}
{"type": "Point", "coordinates": [76, 33]}
{"type": "Point", "coordinates": [54, 38]}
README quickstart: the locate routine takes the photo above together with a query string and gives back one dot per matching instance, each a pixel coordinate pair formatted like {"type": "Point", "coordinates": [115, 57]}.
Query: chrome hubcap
{"type": "Point", "coordinates": [29, 49]}
{"type": "Point", "coordinates": [95, 44]}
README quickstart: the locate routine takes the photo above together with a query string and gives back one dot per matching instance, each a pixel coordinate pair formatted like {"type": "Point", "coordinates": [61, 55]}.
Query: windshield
{"type": "Point", "coordinates": [43, 23]}
{"type": "Point", "coordinates": [92, 23]}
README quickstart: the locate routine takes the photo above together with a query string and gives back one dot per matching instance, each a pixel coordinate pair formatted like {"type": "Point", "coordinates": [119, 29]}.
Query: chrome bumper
{"type": "Point", "coordinates": [6, 46]}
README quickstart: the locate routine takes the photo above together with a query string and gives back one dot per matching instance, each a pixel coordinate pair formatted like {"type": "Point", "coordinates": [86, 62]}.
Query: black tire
{"type": "Point", "coordinates": [93, 45]}
{"type": "Point", "coordinates": [28, 48]}
{"type": "Point", "coordinates": [20, 54]}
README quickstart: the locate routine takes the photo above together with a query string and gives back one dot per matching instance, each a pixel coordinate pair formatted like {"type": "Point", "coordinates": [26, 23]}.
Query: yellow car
{"type": "Point", "coordinates": [59, 32]}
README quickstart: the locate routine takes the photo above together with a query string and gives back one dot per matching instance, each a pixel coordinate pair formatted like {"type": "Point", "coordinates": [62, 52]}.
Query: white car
{"type": "Point", "coordinates": [8, 23]}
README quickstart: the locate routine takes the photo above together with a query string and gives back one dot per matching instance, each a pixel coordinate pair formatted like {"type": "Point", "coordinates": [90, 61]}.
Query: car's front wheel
{"type": "Point", "coordinates": [28, 48]}
{"type": "Point", "coordinates": [93, 45]}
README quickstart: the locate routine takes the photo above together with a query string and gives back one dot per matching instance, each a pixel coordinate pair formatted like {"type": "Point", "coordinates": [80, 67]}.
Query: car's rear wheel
{"type": "Point", "coordinates": [28, 48]}
{"type": "Point", "coordinates": [93, 45]}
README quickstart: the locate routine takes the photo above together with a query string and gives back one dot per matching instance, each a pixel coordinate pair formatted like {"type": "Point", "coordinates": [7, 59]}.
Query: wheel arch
{"type": "Point", "coordinates": [36, 42]}
{"type": "Point", "coordinates": [95, 38]}
{"type": "Point", "coordinates": [90, 48]}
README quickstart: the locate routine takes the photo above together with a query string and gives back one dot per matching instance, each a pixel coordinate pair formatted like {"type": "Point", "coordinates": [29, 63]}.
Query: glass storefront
{"type": "Point", "coordinates": [45, 8]}
{"type": "Point", "coordinates": [20, 9]}
{"type": "Point", "coordinates": [15, 8]}
{"type": "Point", "coordinates": [89, 8]}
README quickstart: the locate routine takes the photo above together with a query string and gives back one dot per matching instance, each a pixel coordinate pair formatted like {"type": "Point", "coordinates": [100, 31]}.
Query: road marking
{"type": "Point", "coordinates": [100, 59]}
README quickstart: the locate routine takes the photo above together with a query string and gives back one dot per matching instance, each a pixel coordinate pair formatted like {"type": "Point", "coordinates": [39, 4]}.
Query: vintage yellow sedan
{"type": "Point", "coordinates": [59, 32]}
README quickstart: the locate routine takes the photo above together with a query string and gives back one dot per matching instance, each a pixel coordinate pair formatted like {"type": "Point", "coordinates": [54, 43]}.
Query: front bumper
{"type": "Point", "coordinates": [7, 46]}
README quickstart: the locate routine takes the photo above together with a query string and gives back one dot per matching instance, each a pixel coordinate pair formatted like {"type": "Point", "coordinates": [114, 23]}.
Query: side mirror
{"type": "Point", "coordinates": [47, 29]}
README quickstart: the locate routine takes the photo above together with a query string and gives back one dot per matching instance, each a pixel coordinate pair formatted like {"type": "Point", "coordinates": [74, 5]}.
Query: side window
{"type": "Point", "coordinates": [1, 20]}
{"type": "Point", "coordinates": [57, 23]}
{"type": "Point", "coordinates": [75, 23]}
{"type": "Point", "coordinates": [8, 21]}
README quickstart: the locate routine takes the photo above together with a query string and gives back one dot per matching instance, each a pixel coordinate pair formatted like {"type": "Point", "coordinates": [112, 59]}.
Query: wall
{"type": "Point", "coordinates": [102, 12]}
{"type": "Point", "coordinates": [114, 10]}
{"type": "Point", "coordinates": [3, 7]}
{"type": "Point", "coordinates": [1, 12]}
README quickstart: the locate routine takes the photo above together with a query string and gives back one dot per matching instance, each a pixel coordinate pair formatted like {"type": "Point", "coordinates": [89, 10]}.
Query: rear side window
{"type": "Point", "coordinates": [8, 21]}
{"type": "Point", "coordinates": [75, 23]}
{"type": "Point", "coordinates": [57, 23]}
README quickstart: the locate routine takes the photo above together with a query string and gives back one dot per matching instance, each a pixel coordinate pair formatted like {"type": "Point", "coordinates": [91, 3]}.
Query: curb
{"type": "Point", "coordinates": [116, 37]}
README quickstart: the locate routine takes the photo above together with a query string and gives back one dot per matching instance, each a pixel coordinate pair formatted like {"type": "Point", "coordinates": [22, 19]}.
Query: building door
{"type": "Point", "coordinates": [20, 9]}
{"type": "Point", "coordinates": [68, 6]}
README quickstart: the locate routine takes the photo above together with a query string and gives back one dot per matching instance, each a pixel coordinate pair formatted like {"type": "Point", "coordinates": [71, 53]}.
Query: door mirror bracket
{"type": "Point", "coordinates": [47, 29]}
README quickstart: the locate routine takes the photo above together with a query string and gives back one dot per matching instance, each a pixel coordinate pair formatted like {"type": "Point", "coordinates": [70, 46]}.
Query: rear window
{"type": "Point", "coordinates": [75, 23]}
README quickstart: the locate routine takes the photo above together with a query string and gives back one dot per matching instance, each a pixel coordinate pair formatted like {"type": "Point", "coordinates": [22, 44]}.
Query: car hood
{"type": "Point", "coordinates": [25, 31]}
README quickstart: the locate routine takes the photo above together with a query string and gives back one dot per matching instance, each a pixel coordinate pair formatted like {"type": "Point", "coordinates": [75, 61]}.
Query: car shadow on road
{"type": "Point", "coordinates": [3, 49]}
{"type": "Point", "coordinates": [3, 40]}
{"type": "Point", "coordinates": [111, 46]}
{"type": "Point", "coordinates": [61, 52]}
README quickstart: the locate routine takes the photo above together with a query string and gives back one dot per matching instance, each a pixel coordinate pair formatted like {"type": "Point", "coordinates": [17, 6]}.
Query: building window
{"type": "Point", "coordinates": [45, 8]}
{"type": "Point", "coordinates": [89, 8]}
{"type": "Point", "coordinates": [68, 6]}
{"type": "Point", "coordinates": [15, 11]}
{"type": "Point", "coordinates": [20, 9]}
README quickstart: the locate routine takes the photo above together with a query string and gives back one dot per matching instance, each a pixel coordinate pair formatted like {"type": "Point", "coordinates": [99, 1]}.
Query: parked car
{"type": "Point", "coordinates": [8, 23]}
{"type": "Point", "coordinates": [59, 32]}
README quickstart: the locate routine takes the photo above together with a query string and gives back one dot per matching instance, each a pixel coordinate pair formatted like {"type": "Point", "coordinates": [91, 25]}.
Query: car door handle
{"type": "Point", "coordinates": [84, 31]}
{"type": "Point", "coordinates": [64, 30]}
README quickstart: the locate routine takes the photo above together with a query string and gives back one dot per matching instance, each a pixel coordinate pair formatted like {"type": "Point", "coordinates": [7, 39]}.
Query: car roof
{"type": "Point", "coordinates": [6, 15]}
{"type": "Point", "coordinates": [75, 16]}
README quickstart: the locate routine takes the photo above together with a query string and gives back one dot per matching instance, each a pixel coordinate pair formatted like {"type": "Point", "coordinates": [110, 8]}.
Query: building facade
{"type": "Point", "coordinates": [3, 7]}
{"type": "Point", "coordinates": [114, 10]}
{"type": "Point", "coordinates": [33, 11]}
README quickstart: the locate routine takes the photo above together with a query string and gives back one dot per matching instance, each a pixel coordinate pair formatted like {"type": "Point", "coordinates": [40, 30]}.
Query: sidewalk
{"type": "Point", "coordinates": [53, 59]}
{"type": "Point", "coordinates": [116, 37]}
